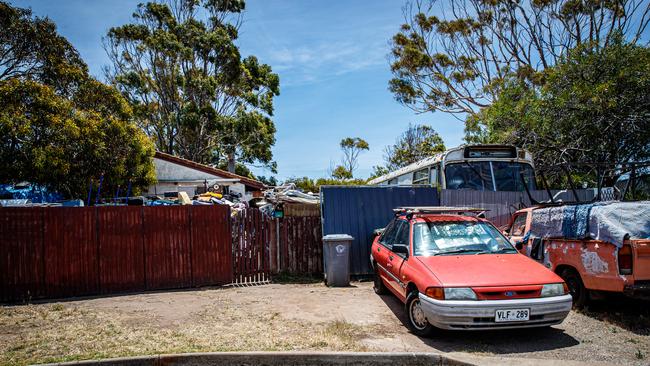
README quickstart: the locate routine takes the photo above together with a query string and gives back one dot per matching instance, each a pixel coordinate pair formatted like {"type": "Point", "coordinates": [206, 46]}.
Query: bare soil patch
{"type": "Point", "coordinates": [282, 317]}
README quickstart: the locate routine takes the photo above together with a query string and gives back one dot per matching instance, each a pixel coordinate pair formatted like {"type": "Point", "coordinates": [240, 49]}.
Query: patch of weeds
{"type": "Point", "coordinates": [347, 332]}
{"type": "Point", "coordinates": [632, 340]}
{"type": "Point", "coordinates": [57, 307]}
{"type": "Point", "coordinates": [639, 355]}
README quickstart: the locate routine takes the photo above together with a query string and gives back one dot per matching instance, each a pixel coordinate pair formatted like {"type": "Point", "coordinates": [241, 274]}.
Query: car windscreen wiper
{"type": "Point", "coordinates": [499, 251]}
{"type": "Point", "coordinates": [456, 251]}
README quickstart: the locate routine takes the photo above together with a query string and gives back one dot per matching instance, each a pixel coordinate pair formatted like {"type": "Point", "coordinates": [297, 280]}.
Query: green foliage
{"type": "Point", "coordinates": [415, 144]}
{"type": "Point", "coordinates": [270, 181]}
{"type": "Point", "coordinates": [459, 62]}
{"type": "Point", "coordinates": [31, 48]}
{"type": "Point", "coordinates": [192, 92]}
{"type": "Point", "coordinates": [50, 140]}
{"type": "Point", "coordinates": [593, 108]}
{"type": "Point", "coordinates": [352, 147]}
{"type": "Point", "coordinates": [240, 169]}
{"type": "Point", "coordinates": [59, 127]}
{"type": "Point", "coordinates": [378, 171]}
{"type": "Point", "coordinates": [307, 184]}
{"type": "Point", "coordinates": [341, 173]}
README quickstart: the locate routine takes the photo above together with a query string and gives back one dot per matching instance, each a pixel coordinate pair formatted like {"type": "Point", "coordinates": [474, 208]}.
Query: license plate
{"type": "Point", "coordinates": [512, 315]}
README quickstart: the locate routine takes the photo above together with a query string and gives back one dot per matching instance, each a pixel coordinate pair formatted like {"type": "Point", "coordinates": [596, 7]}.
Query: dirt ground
{"type": "Point", "coordinates": [299, 317]}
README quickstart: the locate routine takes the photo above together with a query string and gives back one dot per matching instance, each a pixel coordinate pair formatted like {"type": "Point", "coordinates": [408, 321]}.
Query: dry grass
{"type": "Point", "coordinates": [56, 332]}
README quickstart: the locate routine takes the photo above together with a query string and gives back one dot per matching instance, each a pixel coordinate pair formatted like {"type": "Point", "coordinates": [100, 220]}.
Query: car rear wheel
{"type": "Point", "coordinates": [577, 289]}
{"type": "Point", "coordinates": [417, 321]}
{"type": "Point", "coordinates": [378, 286]}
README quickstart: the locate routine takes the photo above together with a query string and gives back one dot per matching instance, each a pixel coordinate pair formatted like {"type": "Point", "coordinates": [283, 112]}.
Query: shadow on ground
{"type": "Point", "coordinates": [627, 313]}
{"type": "Point", "coordinates": [492, 341]}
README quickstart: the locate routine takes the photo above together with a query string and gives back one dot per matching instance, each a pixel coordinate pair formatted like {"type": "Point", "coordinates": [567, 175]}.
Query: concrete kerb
{"type": "Point", "coordinates": [278, 358]}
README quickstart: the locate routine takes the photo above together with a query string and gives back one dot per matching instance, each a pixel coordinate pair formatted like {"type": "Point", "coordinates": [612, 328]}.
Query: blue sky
{"type": "Point", "coordinates": [332, 60]}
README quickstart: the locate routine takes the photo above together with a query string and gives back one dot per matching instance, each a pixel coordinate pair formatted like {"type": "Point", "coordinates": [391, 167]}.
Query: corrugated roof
{"type": "Point", "coordinates": [208, 169]}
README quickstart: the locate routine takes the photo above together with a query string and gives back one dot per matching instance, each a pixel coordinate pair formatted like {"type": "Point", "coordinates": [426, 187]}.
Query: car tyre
{"type": "Point", "coordinates": [378, 286]}
{"type": "Point", "coordinates": [577, 289]}
{"type": "Point", "coordinates": [417, 322]}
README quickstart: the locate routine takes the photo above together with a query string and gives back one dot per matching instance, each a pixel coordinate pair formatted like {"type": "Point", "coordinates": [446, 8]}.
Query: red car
{"type": "Point", "coordinates": [456, 271]}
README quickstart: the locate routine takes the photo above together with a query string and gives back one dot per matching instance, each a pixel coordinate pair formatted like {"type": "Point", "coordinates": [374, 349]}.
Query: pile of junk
{"type": "Point", "coordinates": [287, 200]}
{"type": "Point", "coordinates": [277, 202]}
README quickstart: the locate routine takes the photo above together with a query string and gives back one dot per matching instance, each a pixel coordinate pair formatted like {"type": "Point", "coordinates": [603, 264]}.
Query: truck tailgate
{"type": "Point", "coordinates": [641, 265]}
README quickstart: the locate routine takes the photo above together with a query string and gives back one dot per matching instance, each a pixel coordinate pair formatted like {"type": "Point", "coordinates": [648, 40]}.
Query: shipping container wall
{"type": "Point", "coordinates": [359, 210]}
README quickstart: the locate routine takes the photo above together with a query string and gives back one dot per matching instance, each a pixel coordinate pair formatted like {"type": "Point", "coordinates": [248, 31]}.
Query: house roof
{"type": "Point", "coordinates": [208, 169]}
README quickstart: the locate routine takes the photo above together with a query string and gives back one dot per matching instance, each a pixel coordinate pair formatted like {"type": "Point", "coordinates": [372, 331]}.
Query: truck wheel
{"type": "Point", "coordinates": [378, 286]}
{"type": "Point", "coordinates": [417, 321]}
{"type": "Point", "coordinates": [577, 289]}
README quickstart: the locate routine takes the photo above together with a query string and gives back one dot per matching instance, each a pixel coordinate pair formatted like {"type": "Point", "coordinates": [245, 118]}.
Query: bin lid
{"type": "Point", "coordinates": [337, 237]}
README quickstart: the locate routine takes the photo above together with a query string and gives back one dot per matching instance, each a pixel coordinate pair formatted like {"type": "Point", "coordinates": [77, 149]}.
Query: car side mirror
{"type": "Point", "coordinates": [378, 232]}
{"type": "Point", "coordinates": [519, 245]}
{"type": "Point", "coordinates": [401, 249]}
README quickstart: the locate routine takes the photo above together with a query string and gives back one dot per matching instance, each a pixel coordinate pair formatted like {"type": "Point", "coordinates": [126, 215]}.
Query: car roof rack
{"type": "Point", "coordinates": [410, 210]}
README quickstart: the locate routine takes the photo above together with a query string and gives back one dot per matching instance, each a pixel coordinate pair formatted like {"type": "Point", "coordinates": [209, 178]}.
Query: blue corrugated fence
{"type": "Point", "coordinates": [359, 210]}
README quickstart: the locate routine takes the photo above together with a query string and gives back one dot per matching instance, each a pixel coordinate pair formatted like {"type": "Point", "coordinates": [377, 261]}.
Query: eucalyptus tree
{"type": "Point", "coordinates": [192, 91]}
{"type": "Point", "coordinates": [453, 56]}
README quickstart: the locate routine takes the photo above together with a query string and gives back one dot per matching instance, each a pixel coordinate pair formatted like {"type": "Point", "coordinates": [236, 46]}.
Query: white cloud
{"type": "Point", "coordinates": [308, 64]}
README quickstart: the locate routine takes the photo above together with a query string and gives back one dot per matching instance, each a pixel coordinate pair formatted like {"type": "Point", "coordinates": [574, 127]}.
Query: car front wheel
{"type": "Point", "coordinates": [417, 321]}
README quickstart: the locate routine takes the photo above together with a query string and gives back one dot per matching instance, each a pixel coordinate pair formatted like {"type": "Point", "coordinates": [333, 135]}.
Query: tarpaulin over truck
{"type": "Point", "coordinates": [611, 222]}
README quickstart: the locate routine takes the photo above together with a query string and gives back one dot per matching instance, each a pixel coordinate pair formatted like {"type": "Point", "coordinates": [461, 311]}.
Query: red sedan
{"type": "Point", "coordinates": [455, 271]}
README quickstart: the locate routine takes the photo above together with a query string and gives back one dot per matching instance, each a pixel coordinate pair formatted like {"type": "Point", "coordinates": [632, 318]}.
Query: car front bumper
{"type": "Point", "coordinates": [475, 315]}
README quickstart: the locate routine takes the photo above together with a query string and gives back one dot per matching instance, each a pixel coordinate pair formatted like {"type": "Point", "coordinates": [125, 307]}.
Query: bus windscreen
{"type": "Point", "coordinates": [478, 175]}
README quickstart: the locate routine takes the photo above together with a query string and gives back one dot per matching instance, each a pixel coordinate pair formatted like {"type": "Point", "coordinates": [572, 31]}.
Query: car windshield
{"type": "Point", "coordinates": [458, 237]}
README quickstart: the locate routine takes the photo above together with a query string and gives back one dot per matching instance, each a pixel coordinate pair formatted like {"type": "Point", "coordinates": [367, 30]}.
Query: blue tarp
{"type": "Point", "coordinates": [34, 193]}
{"type": "Point", "coordinates": [607, 221]}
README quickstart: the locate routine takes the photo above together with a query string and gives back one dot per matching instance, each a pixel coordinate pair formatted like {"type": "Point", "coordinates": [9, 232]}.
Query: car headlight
{"type": "Point", "coordinates": [459, 293]}
{"type": "Point", "coordinates": [553, 289]}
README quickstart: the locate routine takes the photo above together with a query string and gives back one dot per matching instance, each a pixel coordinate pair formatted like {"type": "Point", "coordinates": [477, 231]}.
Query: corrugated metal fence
{"type": "Point", "coordinates": [502, 205]}
{"type": "Point", "coordinates": [359, 210]}
{"type": "Point", "coordinates": [62, 252]}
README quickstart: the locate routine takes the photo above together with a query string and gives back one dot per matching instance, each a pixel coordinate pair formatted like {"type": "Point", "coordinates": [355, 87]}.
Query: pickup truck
{"type": "Point", "coordinates": [455, 271]}
{"type": "Point", "coordinates": [591, 267]}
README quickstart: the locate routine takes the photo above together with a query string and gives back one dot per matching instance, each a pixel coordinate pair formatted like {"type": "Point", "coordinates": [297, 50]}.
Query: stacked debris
{"type": "Point", "coordinates": [288, 201]}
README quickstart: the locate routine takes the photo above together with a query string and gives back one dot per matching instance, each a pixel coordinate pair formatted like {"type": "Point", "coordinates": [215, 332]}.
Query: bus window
{"type": "Point", "coordinates": [507, 176]}
{"type": "Point", "coordinates": [421, 176]}
{"type": "Point", "coordinates": [405, 179]}
{"type": "Point", "coordinates": [469, 175]}
{"type": "Point", "coordinates": [434, 175]}
{"type": "Point", "coordinates": [392, 182]}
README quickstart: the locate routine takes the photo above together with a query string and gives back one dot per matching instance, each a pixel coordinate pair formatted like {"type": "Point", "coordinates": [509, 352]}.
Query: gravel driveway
{"type": "Point", "coordinates": [299, 317]}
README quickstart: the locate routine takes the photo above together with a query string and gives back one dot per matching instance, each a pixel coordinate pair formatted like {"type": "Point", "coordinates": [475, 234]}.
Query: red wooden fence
{"type": "Point", "coordinates": [251, 247]}
{"type": "Point", "coordinates": [300, 245]}
{"type": "Point", "coordinates": [61, 252]}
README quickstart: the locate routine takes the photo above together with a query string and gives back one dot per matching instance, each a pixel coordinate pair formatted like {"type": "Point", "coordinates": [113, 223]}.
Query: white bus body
{"type": "Point", "coordinates": [475, 167]}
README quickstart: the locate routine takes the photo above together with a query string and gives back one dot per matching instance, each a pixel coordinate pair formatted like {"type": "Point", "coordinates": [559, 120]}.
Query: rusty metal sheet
{"type": "Point", "coordinates": [21, 253]}
{"type": "Point", "coordinates": [211, 245]}
{"type": "Point", "coordinates": [167, 247]}
{"type": "Point", "coordinates": [70, 249]}
{"type": "Point", "coordinates": [121, 249]}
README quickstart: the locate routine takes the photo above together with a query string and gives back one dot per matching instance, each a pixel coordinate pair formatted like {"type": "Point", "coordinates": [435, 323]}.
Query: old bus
{"type": "Point", "coordinates": [473, 167]}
